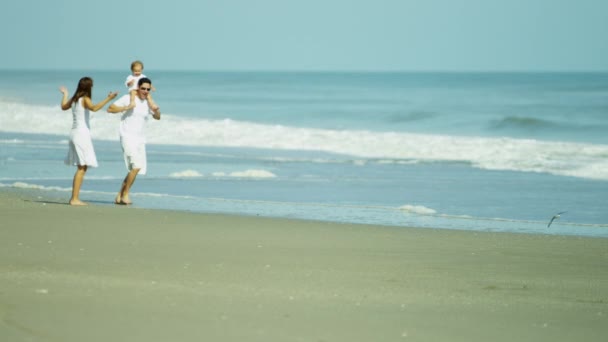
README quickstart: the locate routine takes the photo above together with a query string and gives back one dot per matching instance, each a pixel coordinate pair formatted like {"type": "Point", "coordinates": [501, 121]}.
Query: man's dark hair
{"type": "Point", "coordinates": [143, 80]}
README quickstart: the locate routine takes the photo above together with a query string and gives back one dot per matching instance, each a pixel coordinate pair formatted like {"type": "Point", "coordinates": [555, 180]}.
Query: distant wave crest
{"type": "Point", "coordinates": [522, 122]}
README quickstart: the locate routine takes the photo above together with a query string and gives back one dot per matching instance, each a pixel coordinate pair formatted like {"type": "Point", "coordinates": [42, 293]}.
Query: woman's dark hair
{"type": "Point", "coordinates": [85, 86]}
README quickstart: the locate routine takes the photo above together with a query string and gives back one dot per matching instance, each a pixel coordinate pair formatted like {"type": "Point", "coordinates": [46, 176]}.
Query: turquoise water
{"type": "Point", "coordinates": [481, 151]}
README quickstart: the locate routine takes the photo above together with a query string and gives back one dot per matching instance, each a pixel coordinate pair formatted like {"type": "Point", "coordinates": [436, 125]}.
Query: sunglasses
{"type": "Point", "coordinates": [146, 89]}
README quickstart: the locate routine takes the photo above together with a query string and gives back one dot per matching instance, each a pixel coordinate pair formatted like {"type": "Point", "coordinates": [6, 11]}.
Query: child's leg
{"type": "Point", "coordinates": [132, 93]}
{"type": "Point", "coordinates": [76, 184]}
{"type": "Point", "coordinates": [151, 102]}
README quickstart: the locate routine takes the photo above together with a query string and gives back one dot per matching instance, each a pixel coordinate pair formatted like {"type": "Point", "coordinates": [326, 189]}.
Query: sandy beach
{"type": "Point", "coordinates": [104, 273]}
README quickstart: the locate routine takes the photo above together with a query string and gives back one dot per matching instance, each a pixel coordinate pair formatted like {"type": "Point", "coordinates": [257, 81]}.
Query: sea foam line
{"type": "Point", "coordinates": [407, 209]}
{"type": "Point", "coordinates": [420, 211]}
{"type": "Point", "coordinates": [523, 155]}
{"type": "Point", "coordinates": [250, 173]}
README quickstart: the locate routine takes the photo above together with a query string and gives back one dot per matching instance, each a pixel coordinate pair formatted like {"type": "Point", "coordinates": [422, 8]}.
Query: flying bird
{"type": "Point", "coordinates": [556, 216]}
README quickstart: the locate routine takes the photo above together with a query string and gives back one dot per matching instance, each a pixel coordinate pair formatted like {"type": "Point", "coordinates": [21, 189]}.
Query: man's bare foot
{"type": "Point", "coordinates": [122, 200]}
{"type": "Point", "coordinates": [77, 202]}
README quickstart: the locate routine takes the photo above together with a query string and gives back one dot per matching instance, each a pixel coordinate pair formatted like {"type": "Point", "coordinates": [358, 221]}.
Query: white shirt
{"type": "Point", "coordinates": [133, 120]}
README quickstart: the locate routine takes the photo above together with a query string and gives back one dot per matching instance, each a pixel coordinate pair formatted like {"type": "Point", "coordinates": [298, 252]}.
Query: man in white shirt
{"type": "Point", "coordinates": [132, 137]}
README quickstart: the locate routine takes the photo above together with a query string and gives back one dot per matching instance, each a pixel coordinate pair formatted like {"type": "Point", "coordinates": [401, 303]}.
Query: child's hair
{"type": "Point", "coordinates": [140, 63]}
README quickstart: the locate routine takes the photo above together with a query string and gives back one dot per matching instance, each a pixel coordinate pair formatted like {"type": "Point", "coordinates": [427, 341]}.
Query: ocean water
{"type": "Point", "coordinates": [474, 151]}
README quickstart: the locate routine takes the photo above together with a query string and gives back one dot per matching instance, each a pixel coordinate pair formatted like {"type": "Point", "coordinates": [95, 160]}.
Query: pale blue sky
{"type": "Point", "coordinates": [366, 35]}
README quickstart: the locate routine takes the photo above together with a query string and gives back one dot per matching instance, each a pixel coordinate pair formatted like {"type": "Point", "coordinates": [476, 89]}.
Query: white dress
{"type": "Point", "coordinates": [81, 150]}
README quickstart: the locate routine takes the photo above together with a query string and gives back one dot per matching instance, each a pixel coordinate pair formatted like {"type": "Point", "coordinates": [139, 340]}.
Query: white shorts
{"type": "Point", "coordinates": [134, 153]}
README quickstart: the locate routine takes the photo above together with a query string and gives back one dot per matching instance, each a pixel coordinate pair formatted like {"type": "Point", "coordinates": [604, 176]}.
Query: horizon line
{"type": "Point", "coordinates": [342, 71]}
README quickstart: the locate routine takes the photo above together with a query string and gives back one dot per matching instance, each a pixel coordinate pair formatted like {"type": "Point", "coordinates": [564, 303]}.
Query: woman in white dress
{"type": "Point", "coordinates": [81, 152]}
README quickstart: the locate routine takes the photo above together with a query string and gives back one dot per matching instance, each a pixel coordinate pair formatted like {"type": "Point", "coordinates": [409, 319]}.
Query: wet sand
{"type": "Point", "coordinates": [115, 273]}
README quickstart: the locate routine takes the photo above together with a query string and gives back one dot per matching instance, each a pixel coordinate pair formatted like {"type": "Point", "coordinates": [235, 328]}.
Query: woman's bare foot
{"type": "Point", "coordinates": [125, 200]}
{"type": "Point", "coordinates": [77, 202]}
{"type": "Point", "coordinates": [118, 199]}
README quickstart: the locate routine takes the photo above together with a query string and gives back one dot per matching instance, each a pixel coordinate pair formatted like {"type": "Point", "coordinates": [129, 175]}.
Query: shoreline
{"type": "Point", "coordinates": [533, 227]}
{"type": "Point", "coordinates": [100, 273]}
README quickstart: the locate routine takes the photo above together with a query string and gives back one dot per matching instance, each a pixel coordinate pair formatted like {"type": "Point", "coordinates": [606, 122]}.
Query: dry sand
{"type": "Point", "coordinates": [103, 273]}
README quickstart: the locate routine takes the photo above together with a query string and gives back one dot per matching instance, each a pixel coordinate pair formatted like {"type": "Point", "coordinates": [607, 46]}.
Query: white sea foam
{"type": "Point", "coordinates": [185, 174]}
{"type": "Point", "coordinates": [559, 158]}
{"type": "Point", "coordinates": [11, 141]}
{"type": "Point", "coordinates": [417, 209]}
{"type": "Point", "coordinates": [246, 174]}
{"type": "Point", "coordinates": [23, 185]}
{"type": "Point", "coordinates": [253, 174]}
{"type": "Point", "coordinates": [44, 179]}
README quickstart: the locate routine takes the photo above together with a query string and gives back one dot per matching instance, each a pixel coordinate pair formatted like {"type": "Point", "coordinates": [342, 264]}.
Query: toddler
{"type": "Point", "coordinates": [137, 68]}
